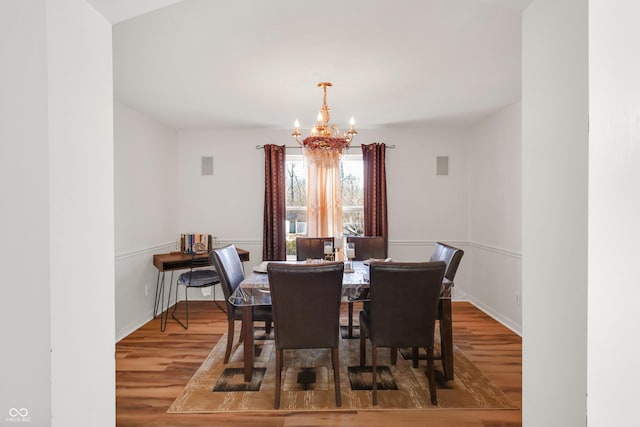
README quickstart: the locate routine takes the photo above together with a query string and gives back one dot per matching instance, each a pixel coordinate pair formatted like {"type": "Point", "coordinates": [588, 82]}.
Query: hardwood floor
{"type": "Point", "coordinates": [152, 368]}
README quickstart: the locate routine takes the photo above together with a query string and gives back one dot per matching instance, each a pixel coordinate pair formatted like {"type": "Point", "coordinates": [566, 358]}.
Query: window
{"type": "Point", "coordinates": [352, 195]}
{"type": "Point", "coordinates": [296, 196]}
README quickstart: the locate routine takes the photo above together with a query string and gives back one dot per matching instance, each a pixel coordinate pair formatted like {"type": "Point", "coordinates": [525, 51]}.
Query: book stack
{"type": "Point", "coordinates": [187, 240]}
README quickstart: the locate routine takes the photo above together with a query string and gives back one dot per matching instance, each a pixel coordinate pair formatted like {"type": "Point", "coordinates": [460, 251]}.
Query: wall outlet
{"type": "Point", "coordinates": [518, 298]}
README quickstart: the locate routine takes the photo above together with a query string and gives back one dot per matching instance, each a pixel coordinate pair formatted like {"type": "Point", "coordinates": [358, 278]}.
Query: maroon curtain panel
{"type": "Point", "coordinates": [375, 191]}
{"type": "Point", "coordinates": [273, 239]}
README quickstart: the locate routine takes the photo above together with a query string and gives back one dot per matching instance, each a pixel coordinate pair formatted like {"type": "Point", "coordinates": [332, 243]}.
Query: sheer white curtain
{"type": "Point", "coordinates": [324, 194]}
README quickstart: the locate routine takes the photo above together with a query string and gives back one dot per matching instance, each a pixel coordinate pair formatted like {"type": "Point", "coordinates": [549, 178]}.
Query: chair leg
{"type": "Point", "coordinates": [267, 327]}
{"type": "Point", "coordinates": [416, 357]}
{"type": "Point", "coordinates": [393, 355]}
{"type": "Point", "coordinates": [186, 305]}
{"type": "Point", "coordinates": [363, 348]}
{"type": "Point", "coordinates": [432, 377]}
{"type": "Point", "coordinates": [446, 337]}
{"type": "Point", "coordinates": [350, 310]}
{"type": "Point", "coordinates": [175, 307]}
{"type": "Point", "coordinates": [230, 329]}
{"type": "Point", "coordinates": [374, 374]}
{"type": "Point", "coordinates": [279, 356]}
{"type": "Point", "coordinates": [336, 375]}
{"type": "Point", "coordinates": [215, 300]}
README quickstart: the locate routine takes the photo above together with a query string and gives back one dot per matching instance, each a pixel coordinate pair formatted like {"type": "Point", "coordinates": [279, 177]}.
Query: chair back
{"type": "Point", "coordinates": [311, 247]}
{"type": "Point", "coordinates": [306, 304]}
{"type": "Point", "coordinates": [368, 247]}
{"type": "Point", "coordinates": [450, 255]}
{"type": "Point", "coordinates": [404, 301]}
{"type": "Point", "coordinates": [229, 266]}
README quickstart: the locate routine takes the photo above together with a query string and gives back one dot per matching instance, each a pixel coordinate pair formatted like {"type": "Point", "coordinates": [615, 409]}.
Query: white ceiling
{"type": "Point", "coordinates": [197, 64]}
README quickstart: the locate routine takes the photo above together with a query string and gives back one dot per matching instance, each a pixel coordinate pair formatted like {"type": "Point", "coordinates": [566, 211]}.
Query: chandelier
{"type": "Point", "coordinates": [324, 136]}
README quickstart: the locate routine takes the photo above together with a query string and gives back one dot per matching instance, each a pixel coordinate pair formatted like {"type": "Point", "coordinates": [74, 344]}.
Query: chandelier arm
{"type": "Point", "coordinates": [324, 135]}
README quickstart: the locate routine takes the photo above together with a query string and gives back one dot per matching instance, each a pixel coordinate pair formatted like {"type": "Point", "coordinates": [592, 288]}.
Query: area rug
{"type": "Point", "coordinates": [307, 383]}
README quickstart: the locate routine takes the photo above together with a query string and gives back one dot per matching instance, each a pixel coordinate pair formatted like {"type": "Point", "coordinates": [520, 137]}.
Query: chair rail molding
{"type": "Point", "coordinates": [495, 249]}
{"type": "Point", "coordinates": [426, 242]}
{"type": "Point", "coordinates": [141, 258]}
{"type": "Point", "coordinates": [171, 246]}
{"type": "Point", "coordinates": [160, 248]}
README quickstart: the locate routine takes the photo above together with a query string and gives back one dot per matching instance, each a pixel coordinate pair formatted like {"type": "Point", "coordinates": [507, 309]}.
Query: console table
{"type": "Point", "coordinates": [176, 261]}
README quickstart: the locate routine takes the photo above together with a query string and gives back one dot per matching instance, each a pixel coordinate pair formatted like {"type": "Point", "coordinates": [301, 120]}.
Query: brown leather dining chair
{"type": "Point", "coordinates": [366, 247]}
{"type": "Point", "coordinates": [451, 256]}
{"type": "Point", "coordinates": [311, 247]}
{"type": "Point", "coordinates": [403, 310]}
{"type": "Point", "coordinates": [229, 267]}
{"type": "Point", "coordinates": [306, 311]}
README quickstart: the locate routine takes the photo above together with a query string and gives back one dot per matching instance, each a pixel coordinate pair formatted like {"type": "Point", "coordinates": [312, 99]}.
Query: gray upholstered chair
{"type": "Point", "coordinates": [366, 247]}
{"type": "Point", "coordinates": [403, 310]}
{"type": "Point", "coordinates": [311, 247]}
{"type": "Point", "coordinates": [229, 267]}
{"type": "Point", "coordinates": [306, 311]}
{"type": "Point", "coordinates": [196, 277]}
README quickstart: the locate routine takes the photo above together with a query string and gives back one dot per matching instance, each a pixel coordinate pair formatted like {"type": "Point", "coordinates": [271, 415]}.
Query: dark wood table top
{"type": "Point", "coordinates": [181, 261]}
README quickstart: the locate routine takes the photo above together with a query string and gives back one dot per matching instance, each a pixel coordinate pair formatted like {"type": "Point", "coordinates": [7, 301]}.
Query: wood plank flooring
{"type": "Point", "coordinates": [152, 368]}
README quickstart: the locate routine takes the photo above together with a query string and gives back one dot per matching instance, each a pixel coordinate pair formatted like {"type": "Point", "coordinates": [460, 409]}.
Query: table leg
{"type": "Point", "coordinates": [446, 337]}
{"type": "Point", "coordinates": [156, 302]}
{"type": "Point", "coordinates": [164, 313]}
{"type": "Point", "coordinates": [247, 330]}
{"type": "Point", "coordinates": [350, 309]}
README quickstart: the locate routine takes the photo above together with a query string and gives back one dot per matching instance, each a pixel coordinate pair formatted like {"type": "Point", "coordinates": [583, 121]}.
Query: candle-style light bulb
{"type": "Point", "coordinates": [296, 124]}
{"type": "Point", "coordinates": [352, 122]}
{"type": "Point", "coordinates": [319, 117]}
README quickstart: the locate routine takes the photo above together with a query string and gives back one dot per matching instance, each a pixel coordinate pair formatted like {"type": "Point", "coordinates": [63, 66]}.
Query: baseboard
{"type": "Point", "coordinates": [489, 312]}
{"type": "Point", "coordinates": [134, 326]}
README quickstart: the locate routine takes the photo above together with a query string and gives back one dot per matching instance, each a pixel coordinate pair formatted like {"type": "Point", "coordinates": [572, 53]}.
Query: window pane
{"type": "Point", "coordinates": [296, 200]}
{"type": "Point", "coordinates": [352, 194]}
{"type": "Point", "coordinates": [351, 170]}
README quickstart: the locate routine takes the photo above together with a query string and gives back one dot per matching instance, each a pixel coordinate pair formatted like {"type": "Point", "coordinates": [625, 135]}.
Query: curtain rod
{"type": "Point", "coordinates": [260, 147]}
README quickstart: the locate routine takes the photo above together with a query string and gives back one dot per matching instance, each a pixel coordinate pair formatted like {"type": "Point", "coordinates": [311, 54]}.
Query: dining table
{"type": "Point", "coordinates": [254, 291]}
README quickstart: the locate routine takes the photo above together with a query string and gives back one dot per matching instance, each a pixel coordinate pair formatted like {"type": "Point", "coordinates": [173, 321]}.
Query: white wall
{"type": "Point", "coordinates": [57, 182]}
{"type": "Point", "coordinates": [554, 221]}
{"type": "Point", "coordinates": [614, 209]}
{"type": "Point", "coordinates": [24, 177]}
{"type": "Point", "coordinates": [160, 194]}
{"type": "Point", "coordinates": [228, 204]}
{"type": "Point", "coordinates": [146, 211]}
{"type": "Point", "coordinates": [80, 107]}
{"type": "Point", "coordinates": [495, 258]}
{"type": "Point", "coordinates": [423, 207]}
{"type": "Point", "coordinates": [57, 224]}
